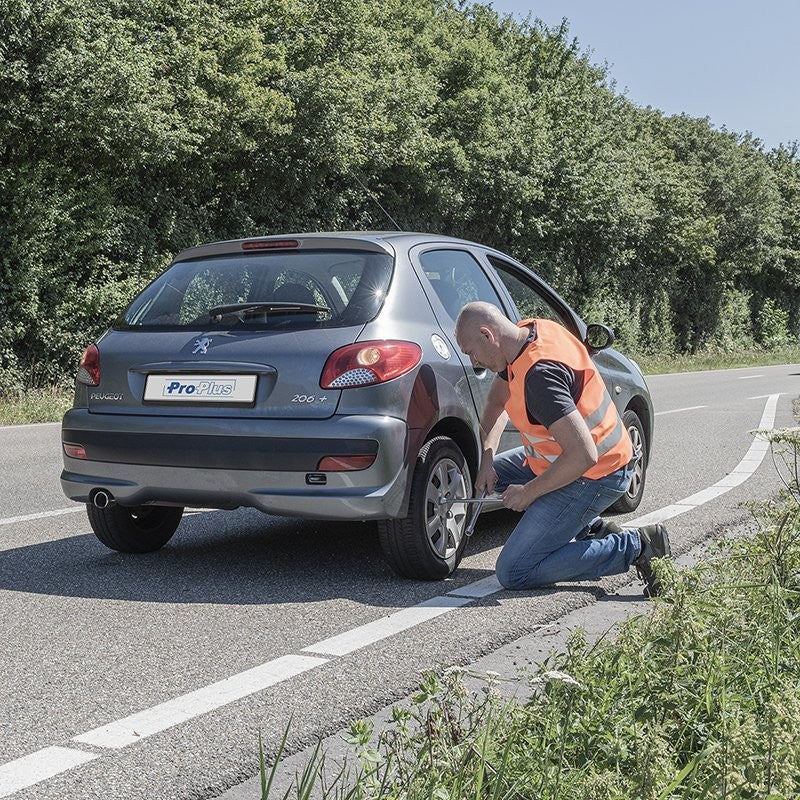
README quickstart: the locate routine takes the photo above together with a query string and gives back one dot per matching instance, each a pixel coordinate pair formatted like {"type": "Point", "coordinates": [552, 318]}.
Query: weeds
{"type": "Point", "coordinates": [698, 699]}
{"type": "Point", "coordinates": [35, 405]}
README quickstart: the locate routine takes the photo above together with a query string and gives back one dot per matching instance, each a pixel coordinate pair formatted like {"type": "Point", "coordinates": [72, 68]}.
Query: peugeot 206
{"type": "Point", "coordinates": [310, 375]}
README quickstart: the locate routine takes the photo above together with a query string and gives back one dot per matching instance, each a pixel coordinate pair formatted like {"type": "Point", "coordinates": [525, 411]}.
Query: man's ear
{"type": "Point", "coordinates": [487, 333]}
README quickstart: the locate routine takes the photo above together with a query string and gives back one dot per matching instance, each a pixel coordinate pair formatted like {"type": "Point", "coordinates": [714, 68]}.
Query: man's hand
{"type": "Point", "coordinates": [486, 479]}
{"type": "Point", "coordinates": [518, 497]}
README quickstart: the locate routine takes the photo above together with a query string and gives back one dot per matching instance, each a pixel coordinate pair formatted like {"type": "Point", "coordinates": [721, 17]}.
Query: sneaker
{"type": "Point", "coordinates": [599, 529]}
{"type": "Point", "coordinates": [655, 544]}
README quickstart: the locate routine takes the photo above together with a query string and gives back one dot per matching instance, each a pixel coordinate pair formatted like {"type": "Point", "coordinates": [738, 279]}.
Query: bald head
{"type": "Point", "coordinates": [473, 315]}
{"type": "Point", "coordinates": [488, 337]}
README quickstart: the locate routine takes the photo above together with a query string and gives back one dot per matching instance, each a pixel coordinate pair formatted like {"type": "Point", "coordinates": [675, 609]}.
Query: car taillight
{"type": "Point", "coordinates": [74, 450]}
{"type": "Point", "coordinates": [367, 363]}
{"type": "Point", "coordinates": [89, 368]}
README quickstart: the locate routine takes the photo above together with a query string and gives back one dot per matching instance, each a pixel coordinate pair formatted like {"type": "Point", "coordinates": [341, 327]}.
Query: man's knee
{"type": "Point", "coordinates": [508, 576]}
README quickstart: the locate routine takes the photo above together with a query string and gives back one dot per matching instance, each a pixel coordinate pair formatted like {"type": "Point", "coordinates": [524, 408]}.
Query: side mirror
{"type": "Point", "coordinates": [598, 337]}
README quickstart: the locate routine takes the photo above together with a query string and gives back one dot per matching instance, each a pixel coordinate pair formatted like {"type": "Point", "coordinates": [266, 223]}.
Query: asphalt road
{"type": "Point", "coordinates": [92, 638]}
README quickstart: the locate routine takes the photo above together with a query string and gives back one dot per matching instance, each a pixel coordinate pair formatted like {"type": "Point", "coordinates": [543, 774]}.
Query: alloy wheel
{"type": "Point", "coordinates": [445, 522]}
{"type": "Point", "coordinates": [638, 452]}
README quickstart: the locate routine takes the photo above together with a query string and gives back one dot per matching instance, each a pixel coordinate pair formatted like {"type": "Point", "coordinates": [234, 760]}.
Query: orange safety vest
{"type": "Point", "coordinates": [555, 343]}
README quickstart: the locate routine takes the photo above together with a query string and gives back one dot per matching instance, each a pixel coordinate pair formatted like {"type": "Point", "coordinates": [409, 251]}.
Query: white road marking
{"type": "Point", "coordinates": [180, 709]}
{"type": "Point", "coordinates": [42, 515]}
{"type": "Point", "coordinates": [359, 637]}
{"type": "Point", "coordinates": [482, 588]}
{"type": "Point", "coordinates": [764, 396]}
{"type": "Point", "coordinates": [748, 377]}
{"type": "Point", "coordinates": [51, 761]}
{"type": "Point", "coordinates": [738, 475]}
{"type": "Point", "coordinates": [39, 766]}
{"type": "Point", "coordinates": [676, 410]}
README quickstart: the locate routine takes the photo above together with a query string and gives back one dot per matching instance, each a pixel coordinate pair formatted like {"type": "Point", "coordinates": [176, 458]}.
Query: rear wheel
{"type": "Point", "coordinates": [429, 542]}
{"type": "Point", "coordinates": [138, 529]}
{"type": "Point", "coordinates": [633, 496]}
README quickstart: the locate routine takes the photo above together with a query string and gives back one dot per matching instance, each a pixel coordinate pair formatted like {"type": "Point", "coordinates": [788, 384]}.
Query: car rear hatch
{"type": "Point", "coordinates": [241, 333]}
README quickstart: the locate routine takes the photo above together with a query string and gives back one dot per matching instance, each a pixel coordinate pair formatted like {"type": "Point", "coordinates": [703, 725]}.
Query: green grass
{"type": "Point", "coordinates": [714, 358]}
{"type": "Point", "coordinates": [698, 699]}
{"type": "Point", "coordinates": [35, 405]}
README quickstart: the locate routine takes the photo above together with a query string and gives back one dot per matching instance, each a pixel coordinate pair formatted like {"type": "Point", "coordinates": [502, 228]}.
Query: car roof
{"type": "Point", "coordinates": [376, 241]}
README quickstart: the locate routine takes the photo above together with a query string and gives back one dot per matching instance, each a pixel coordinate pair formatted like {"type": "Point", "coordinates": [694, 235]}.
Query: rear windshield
{"type": "Point", "coordinates": [347, 287]}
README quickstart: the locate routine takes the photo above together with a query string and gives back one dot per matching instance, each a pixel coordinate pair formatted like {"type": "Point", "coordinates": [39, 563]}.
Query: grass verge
{"type": "Point", "coordinates": [698, 699]}
{"type": "Point", "coordinates": [35, 405]}
{"type": "Point", "coordinates": [717, 359]}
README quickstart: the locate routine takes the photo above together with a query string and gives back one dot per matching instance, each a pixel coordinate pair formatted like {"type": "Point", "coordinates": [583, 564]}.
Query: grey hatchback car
{"type": "Point", "coordinates": [310, 375]}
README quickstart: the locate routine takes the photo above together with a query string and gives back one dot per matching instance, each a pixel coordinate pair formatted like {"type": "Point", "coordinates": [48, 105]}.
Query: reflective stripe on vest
{"type": "Point", "coordinates": [554, 343]}
{"type": "Point", "coordinates": [529, 443]}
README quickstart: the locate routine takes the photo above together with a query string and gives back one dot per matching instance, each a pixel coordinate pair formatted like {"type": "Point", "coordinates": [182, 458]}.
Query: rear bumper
{"type": "Point", "coordinates": [262, 464]}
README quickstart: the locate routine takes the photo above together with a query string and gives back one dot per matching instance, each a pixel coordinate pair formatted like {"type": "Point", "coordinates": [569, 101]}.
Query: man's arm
{"type": "Point", "coordinates": [579, 453]}
{"type": "Point", "coordinates": [493, 423]}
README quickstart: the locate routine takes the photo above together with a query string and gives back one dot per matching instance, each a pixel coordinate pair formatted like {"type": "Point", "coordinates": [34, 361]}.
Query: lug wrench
{"type": "Point", "coordinates": [476, 501]}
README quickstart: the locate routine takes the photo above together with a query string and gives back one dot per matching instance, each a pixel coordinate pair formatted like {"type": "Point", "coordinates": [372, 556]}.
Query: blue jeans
{"type": "Point", "coordinates": [541, 550]}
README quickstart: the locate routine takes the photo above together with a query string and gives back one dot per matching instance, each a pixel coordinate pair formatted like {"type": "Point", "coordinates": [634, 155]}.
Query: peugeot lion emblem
{"type": "Point", "coordinates": [201, 345]}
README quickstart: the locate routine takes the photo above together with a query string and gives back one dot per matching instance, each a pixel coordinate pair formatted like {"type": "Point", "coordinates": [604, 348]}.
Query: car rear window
{"type": "Point", "coordinates": [348, 286]}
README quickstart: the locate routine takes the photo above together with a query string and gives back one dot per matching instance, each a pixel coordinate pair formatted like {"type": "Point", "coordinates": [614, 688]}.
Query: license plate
{"type": "Point", "coordinates": [200, 388]}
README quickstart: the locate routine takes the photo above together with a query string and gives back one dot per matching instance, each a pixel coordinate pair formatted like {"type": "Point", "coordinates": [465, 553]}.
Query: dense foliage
{"type": "Point", "coordinates": [130, 129]}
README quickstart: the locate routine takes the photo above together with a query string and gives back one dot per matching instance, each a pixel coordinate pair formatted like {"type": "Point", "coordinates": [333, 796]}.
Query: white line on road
{"type": "Point", "coordinates": [359, 637]}
{"type": "Point", "coordinates": [180, 709]}
{"type": "Point", "coordinates": [482, 588]}
{"type": "Point", "coordinates": [39, 766]}
{"type": "Point", "coordinates": [676, 410]}
{"type": "Point", "coordinates": [739, 474]}
{"type": "Point", "coordinates": [42, 515]}
{"type": "Point", "coordinates": [748, 377]}
{"type": "Point", "coordinates": [764, 396]}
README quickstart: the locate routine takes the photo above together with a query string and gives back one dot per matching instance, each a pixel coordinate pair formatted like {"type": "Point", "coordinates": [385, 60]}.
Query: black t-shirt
{"type": "Point", "coordinates": [551, 389]}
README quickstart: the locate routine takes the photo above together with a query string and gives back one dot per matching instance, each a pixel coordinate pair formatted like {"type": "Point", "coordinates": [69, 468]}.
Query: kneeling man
{"type": "Point", "coordinates": [574, 462]}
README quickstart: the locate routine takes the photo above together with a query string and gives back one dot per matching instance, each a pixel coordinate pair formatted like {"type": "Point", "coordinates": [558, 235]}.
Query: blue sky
{"type": "Point", "coordinates": [736, 62]}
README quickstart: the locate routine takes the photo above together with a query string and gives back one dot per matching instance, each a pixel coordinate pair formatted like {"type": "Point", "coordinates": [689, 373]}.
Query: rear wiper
{"type": "Point", "coordinates": [218, 312]}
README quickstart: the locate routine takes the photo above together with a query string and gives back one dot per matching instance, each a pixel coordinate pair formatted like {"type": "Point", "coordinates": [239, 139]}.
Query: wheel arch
{"type": "Point", "coordinates": [460, 432]}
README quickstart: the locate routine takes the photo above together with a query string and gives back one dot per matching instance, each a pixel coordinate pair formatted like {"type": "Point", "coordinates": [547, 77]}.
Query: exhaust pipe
{"type": "Point", "coordinates": [102, 499]}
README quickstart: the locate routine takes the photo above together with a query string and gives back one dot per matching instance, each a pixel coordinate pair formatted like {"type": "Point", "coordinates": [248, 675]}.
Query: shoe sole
{"type": "Point", "coordinates": [668, 547]}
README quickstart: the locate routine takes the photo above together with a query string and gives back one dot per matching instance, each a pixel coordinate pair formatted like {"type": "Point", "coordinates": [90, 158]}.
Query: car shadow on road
{"type": "Point", "coordinates": [243, 557]}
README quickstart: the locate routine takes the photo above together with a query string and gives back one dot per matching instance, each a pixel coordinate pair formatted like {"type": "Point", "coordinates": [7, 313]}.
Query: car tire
{"type": "Point", "coordinates": [427, 544]}
{"type": "Point", "coordinates": [139, 529]}
{"type": "Point", "coordinates": [633, 496]}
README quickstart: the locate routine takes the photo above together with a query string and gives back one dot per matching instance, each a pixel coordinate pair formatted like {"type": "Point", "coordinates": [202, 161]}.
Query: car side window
{"type": "Point", "coordinates": [528, 301]}
{"type": "Point", "coordinates": [457, 279]}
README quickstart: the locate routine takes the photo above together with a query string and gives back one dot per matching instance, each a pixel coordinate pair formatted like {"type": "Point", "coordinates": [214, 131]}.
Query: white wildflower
{"type": "Point", "coordinates": [554, 675]}
{"type": "Point", "coordinates": [456, 672]}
